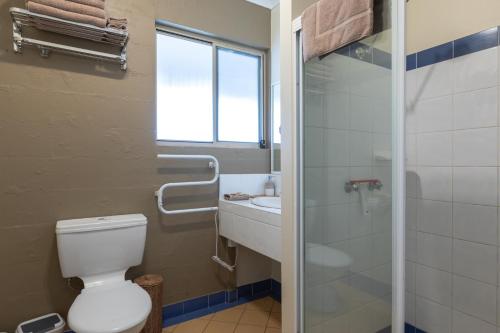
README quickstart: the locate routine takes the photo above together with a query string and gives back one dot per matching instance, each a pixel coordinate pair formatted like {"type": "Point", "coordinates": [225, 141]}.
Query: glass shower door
{"type": "Point", "coordinates": [347, 191]}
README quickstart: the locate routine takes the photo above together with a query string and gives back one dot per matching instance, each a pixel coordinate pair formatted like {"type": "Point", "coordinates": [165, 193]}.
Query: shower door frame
{"type": "Point", "coordinates": [398, 27]}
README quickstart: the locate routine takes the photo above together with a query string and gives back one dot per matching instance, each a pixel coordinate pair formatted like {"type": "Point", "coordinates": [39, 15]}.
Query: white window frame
{"type": "Point", "coordinates": [221, 44]}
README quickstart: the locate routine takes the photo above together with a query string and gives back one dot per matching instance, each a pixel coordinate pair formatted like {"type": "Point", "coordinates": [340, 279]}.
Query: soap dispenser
{"type": "Point", "coordinates": [269, 188]}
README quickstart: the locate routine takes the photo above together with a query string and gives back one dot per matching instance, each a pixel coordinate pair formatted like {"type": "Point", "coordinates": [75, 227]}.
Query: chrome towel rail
{"type": "Point", "coordinates": [22, 18]}
{"type": "Point", "coordinates": [213, 164]}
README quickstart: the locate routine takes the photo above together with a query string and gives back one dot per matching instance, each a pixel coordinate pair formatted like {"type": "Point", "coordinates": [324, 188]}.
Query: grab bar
{"type": "Point", "coordinates": [213, 164]}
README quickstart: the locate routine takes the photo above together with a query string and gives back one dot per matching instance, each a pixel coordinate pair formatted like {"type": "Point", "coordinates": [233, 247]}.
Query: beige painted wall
{"type": "Point", "coordinates": [431, 22]}
{"type": "Point", "coordinates": [77, 139]}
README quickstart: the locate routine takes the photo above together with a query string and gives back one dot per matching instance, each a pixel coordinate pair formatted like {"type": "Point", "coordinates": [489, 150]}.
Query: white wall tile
{"type": "Point", "coordinates": [411, 149]}
{"type": "Point", "coordinates": [435, 217]}
{"type": "Point", "coordinates": [475, 185]}
{"type": "Point", "coordinates": [433, 284]}
{"type": "Point", "coordinates": [476, 70]}
{"type": "Point", "coordinates": [315, 187]}
{"type": "Point", "coordinates": [335, 179]}
{"type": "Point", "coordinates": [475, 298]}
{"type": "Point", "coordinates": [410, 276]}
{"type": "Point", "coordinates": [410, 308]}
{"type": "Point", "coordinates": [435, 80]}
{"type": "Point", "coordinates": [411, 245]}
{"type": "Point", "coordinates": [432, 317]}
{"type": "Point", "coordinates": [337, 110]}
{"type": "Point", "coordinates": [382, 116]}
{"type": "Point", "coordinates": [336, 227]}
{"type": "Point", "coordinates": [463, 323]}
{"type": "Point", "coordinates": [411, 213]}
{"type": "Point", "coordinates": [313, 228]}
{"type": "Point", "coordinates": [475, 147]}
{"type": "Point", "coordinates": [434, 149]}
{"type": "Point", "coordinates": [315, 109]}
{"type": "Point", "coordinates": [434, 251]}
{"type": "Point", "coordinates": [361, 113]}
{"type": "Point", "coordinates": [411, 87]}
{"type": "Point", "coordinates": [360, 250]}
{"type": "Point", "coordinates": [412, 182]}
{"type": "Point", "coordinates": [434, 183]}
{"type": "Point", "coordinates": [360, 224]}
{"type": "Point", "coordinates": [435, 114]}
{"type": "Point", "coordinates": [475, 223]}
{"type": "Point", "coordinates": [360, 148]}
{"type": "Point", "coordinates": [476, 261]}
{"type": "Point", "coordinates": [476, 109]}
{"type": "Point", "coordinates": [314, 152]}
{"type": "Point", "coordinates": [336, 147]}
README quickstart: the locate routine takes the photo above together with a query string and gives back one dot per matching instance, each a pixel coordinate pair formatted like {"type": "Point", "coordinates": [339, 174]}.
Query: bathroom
{"type": "Point", "coordinates": [355, 191]}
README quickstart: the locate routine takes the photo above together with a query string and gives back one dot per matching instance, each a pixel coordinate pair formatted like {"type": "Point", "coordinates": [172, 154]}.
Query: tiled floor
{"type": "Point", "coordinates": [260, 316]}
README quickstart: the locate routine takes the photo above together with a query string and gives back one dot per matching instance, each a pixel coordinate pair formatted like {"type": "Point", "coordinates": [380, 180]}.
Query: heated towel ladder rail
{"type": "Point", "coordinates": [213, 164]}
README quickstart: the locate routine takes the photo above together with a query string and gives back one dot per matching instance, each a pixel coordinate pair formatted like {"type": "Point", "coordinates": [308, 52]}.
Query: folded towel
{"type": "Point", "coordinates": [117, 23]}
{"type": "Point", "coordinates": [237, 196]}
{"type": "Point", "coordinates": [73, 7]}
{"type": "Point", "coordinates": [65, 15]}
{"type": "Point", "coordinates": [328, 25]}
{"type": "Point", "coordinates": [93, 3]}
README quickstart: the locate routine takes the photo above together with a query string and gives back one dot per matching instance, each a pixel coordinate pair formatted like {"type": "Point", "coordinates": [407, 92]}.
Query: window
{"type": "Point", "coordinates": [207, 91]}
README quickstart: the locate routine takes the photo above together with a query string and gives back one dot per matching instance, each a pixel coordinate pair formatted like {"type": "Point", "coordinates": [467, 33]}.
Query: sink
{"type": "Point", "coordinates": [269, 202]}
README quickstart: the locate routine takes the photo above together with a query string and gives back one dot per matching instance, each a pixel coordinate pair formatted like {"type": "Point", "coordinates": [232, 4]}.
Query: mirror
{"type": "Point", "coordinates": [275, 129]}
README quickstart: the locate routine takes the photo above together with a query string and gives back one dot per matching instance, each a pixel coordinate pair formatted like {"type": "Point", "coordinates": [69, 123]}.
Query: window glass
{"type": "Point", "coordinates": [238, 96]}
{"type": "Point", "coordinates": [184, 89]}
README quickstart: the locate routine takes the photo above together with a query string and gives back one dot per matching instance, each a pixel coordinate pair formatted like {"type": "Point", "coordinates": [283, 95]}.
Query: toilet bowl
{"type": "Point", "coordinates": [118, 307]}
{"type": "Point", "coordinates": [100, 251]}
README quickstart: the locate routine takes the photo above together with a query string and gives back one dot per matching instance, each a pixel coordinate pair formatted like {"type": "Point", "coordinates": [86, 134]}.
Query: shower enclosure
{"type": "Point", "coordinates": [351, 171]}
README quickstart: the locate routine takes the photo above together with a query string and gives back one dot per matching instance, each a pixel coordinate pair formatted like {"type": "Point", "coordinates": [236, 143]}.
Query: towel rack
{"type": "Point", "coordinates": [213, 164]}
{"type": "Point", "coordinates": [22, 18]}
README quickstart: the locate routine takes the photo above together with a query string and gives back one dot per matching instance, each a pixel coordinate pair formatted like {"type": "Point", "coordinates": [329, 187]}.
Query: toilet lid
{"type": "Point", "coordinates": [110, 308]}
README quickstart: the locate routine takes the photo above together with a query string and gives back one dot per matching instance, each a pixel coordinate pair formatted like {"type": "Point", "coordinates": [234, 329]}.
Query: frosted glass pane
{"type": "Point", "coordinates": [184, 90]}
{"type": "Point", "coordinates": [239, 97]}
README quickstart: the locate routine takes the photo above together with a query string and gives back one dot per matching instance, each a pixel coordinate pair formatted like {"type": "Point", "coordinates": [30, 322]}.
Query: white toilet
{"type": "Point", "coordinates": [99, 251]}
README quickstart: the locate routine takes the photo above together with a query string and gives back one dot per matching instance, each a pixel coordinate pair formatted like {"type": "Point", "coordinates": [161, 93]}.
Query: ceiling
{"type": "Point", "coordinates": [266, 3]}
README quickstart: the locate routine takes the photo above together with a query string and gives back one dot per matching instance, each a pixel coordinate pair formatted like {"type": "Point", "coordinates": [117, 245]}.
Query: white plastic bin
{"type": "Point", "coordinates": [51, 323]}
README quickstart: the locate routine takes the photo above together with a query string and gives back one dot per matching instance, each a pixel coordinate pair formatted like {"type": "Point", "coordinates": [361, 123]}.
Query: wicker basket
{"type": "Point", "coordinates": [153, 284]}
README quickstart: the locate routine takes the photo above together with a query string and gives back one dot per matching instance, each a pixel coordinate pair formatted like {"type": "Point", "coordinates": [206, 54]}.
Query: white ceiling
{"type": "Point", "coordinates": [266, 3]}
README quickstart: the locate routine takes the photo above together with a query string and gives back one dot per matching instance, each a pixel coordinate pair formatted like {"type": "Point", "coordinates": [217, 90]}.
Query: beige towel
{"type": "Point", "coordinates": [236, 196]}
{"type": "Point", "coordinates": [73, 7]}
{"type": "Point", "coordinates": [93, 3]}
{"type": "Point", "coordinates": [65, 15]}
{"type": "Point", "coordinates": [328, 25]}
{"type": "Point", "coordinates": [117, 23]}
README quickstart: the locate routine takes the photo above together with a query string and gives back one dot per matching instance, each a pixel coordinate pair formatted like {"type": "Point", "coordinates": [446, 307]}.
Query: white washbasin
{"type": "Point", "coordinates": [269, 202]}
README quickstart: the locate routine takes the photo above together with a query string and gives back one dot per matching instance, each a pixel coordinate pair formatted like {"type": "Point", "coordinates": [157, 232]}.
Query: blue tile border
{"type": "Point", "coordinates": [412, 329]}
{"type": "Point", "coordinates": [435, 54]}
{"type": "Point", "coordinates": [177, 313]}
{"type": "Point", "coordinates": [457, 48]}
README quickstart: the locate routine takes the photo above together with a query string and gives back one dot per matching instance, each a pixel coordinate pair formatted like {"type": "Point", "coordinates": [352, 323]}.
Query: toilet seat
{"type": "Point", "coordinates": [114, 307]}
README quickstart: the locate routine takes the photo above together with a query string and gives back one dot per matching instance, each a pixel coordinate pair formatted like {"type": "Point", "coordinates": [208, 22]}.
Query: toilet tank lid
{"type": "Point", "coordinates": [100, 223]}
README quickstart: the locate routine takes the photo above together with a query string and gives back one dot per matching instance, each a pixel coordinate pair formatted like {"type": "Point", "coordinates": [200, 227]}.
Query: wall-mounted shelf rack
{"type": "Point", "coordinates": [22, 18]}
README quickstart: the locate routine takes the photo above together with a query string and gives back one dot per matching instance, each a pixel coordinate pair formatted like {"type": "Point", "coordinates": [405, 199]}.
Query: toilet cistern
{"type": "Point", "coordinates": [99, 251]}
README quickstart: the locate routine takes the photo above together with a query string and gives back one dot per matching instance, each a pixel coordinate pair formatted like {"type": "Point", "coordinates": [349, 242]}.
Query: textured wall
{"type": "Point", "coordinates": [77, 139]}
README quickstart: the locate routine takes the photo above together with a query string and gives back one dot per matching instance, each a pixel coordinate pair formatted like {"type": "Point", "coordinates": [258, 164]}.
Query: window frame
{"type": "Point", "coordinates": [216, 45]}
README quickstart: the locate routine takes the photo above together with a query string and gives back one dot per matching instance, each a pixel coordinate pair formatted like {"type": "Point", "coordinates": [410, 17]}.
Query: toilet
{"type": "Point", "coordinates": [99, 251]}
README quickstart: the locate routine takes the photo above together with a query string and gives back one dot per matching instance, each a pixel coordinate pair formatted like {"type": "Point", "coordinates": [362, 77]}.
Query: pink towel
{"type": "Point", "coordinates": [328, 25]}
{"type": "Point", "coordinates": [93, 3]}
{"type": "Point", "coordinates": [73, 7]}
{"type": "Point", "coordinates": [117, 23]}
{"type": "Point", "coordinates": [65, 15]}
